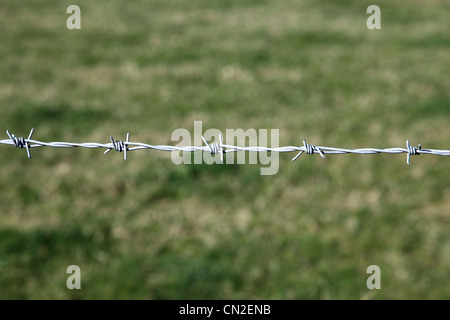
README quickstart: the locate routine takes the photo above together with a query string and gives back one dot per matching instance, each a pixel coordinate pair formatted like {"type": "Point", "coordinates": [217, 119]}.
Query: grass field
{"type": "Point", "coordinates": [148, 229]}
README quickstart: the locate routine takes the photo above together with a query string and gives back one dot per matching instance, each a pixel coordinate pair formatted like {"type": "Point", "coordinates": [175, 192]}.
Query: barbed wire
{"type": "Point", "coordinates": [214, 148]}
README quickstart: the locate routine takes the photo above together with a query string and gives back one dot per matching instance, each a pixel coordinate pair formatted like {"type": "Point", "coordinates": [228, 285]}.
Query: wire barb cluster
{"type": "Point", "coordinates": [214, 147]}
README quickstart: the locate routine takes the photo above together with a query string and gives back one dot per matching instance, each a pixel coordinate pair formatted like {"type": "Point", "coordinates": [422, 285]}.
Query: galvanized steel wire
{"type": "Point", "coordinates": [214, 148]}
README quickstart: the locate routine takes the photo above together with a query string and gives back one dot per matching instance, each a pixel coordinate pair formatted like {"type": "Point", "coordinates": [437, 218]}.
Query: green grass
{"type": "Point", "coordinates": [148, 229]}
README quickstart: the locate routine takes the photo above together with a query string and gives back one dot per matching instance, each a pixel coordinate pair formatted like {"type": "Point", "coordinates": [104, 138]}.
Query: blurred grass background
{"type": "Point", "coordinates": [148, 229]}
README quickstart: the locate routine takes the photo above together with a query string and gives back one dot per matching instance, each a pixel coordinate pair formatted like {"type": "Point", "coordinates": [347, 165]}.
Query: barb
{"type": "Point", "coordinates": [120, 146]}
{"type": "Point", "coordinates": [412, 151]}
{"type": "Point", "coordinates": [21, 142]}
{"type": "Point", "coordinates": [214, 148]}
{"type": "Point", "coordinates": [309, 149]}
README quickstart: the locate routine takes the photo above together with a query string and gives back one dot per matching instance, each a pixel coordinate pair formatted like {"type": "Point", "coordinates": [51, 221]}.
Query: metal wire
{"type": "Point", "coordinates": [213, 148]}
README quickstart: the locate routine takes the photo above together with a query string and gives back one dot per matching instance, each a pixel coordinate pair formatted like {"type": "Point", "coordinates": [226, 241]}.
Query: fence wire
{"type": "Point", "coordinates": [214, 148]}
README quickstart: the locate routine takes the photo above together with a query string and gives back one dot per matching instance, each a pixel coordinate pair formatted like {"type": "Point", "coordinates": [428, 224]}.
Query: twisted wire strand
{"type": "Point", "coordinates": [214, 148]}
